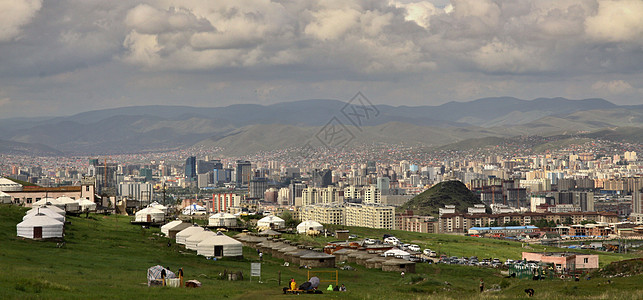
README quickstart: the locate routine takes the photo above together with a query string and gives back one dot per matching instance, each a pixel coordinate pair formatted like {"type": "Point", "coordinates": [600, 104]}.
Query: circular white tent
{"type": "Point", "coordinates": [223, 220]}
{"type": "Point", "coordinates": [158, 206]}
{"type": "Point", "coordinates": [44, 202]}
{"type": "Point", "coordinates": [49, 207]}
{"type": "Point", "coordinates": [44, 211]}
{"type": "Point", "coordinates": [68, 204]}
{"type": "Point", "coordinates": [40, 226]}
{"type": "Point", "coordinates": [220, 245]}
{"type": "Point", "coordinates": [5, 198]}
{"type": "Point", "coordinates": [304, 226]}
{"type": "Point", "coordinates": [182, 235]}
{"type": "Point", "coordinates": [149, 215]}
{"type": "Point", "coordinates": [86, 205]}
{"type": "Point", "coordinates": [271, 222]}
{"type": "Point", "coordinates": [192, 241]}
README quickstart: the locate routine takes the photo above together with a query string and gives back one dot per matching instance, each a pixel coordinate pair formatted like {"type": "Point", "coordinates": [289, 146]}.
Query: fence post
{"type": "Point", "coordinates": [279, 278]}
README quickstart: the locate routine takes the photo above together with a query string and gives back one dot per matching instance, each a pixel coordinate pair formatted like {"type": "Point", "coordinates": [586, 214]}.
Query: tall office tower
{"type": "Point", "coordinates": [190, 168]}
{"type": "Point", "coordinates": [322, 178]}
{"type": "Point", "coordinates": [244, 172]}
{"type": "Point", "coordinates": [383, 184]}
{"type": "Point", "coordinates": [257, 188]}
{"type": "Point", "coordinates": [371, 167]}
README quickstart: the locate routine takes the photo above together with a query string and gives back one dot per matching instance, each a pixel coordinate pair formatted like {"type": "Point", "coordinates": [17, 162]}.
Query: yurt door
{"type": "Point", "coordinates": [37, 232]}
{"type": "Point", "coordinates": [218, 250]}
{"type": "Point", "coordinates": [149, 218]}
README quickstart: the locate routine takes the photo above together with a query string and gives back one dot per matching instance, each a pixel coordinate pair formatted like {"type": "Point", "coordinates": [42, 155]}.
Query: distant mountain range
{"type": "Point", "coordinates": [247, 128]}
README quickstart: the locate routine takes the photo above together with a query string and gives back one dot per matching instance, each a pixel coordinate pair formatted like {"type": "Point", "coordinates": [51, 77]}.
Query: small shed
{"type": "Point", "coordinates": [182, 235]}
{"type": "Point", "coordinates": [317, 260]}
{"type": "Point", "coordinates": [172, 231]}
{"type": "Point", "coordinates": [166, 227]}
{"type": "Point", "coordinates": [150, 215]}
{"type": "Point", "coordinates": [44, 211]}
{"type": "Point", "coordinates": [220, 245]}
{"type": "Point", "coordinates": [222, 220]}
{"type": "Point", "coordinates": [341, 234]}
{"type": "Point", "coordinates": [398, 265]}
{"type": "Point", "coordinates": [40, 226]}
{"type": "Point", "coordinates": [375, 262]}
{"type": "Point", "coordinates": [271, 222]}
{"type": "Point", "coordinates": [309, 225]}
{"type": "Point", "coordinates": [192, 241]}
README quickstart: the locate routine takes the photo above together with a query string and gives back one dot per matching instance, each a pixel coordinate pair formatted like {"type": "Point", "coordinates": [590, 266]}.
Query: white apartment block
{"type": "Point", "coordinates": [309, 196]}
{"type": "Point", "coordinates": [372, 195]}
{"type": "Point", "coordinates": [324, 213]}
{"type": "Point", "coordinates": [370, 215]}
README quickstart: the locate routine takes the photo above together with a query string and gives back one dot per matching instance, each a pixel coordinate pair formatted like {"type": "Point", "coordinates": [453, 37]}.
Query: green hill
{"type": "Point", "coordinates": [441, 194]}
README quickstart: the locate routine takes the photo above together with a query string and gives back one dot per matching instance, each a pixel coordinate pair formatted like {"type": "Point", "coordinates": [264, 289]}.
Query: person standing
{"type": "Point", "coordinates": [481, 285]}
{"type": "Point", "coordinates": [293, 284]}
{"type": "Point", "coordinates": [260, 256]}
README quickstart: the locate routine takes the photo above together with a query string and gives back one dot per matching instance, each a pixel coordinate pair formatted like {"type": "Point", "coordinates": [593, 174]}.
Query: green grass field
{"type": "Point", "coordinates": [106, 257]}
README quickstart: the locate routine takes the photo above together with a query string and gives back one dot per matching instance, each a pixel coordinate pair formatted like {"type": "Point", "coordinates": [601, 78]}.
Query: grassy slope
{"type": "Point", "coordinates": [106, 257]}
{"type": "Point", "coordinates": [443, 193]}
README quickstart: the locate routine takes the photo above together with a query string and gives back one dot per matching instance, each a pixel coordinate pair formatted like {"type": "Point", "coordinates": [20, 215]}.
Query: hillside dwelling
{"type": "Point", "coordinates": [68, 204]}
{"type": "Point", "coordinates": [40, 226]}
{"type": "Point", "coordinates": [564, 260]}
{"type": "Point", "coordinates": [271, 222]}
{"type": "Point", "coordinates": [86, 205]}
{"type": "Point", "coordinates": [192, 241]}
{"type": "Point", "coordinates": [309, 225]}
{"type": "Point", "coordinates": [49, 207]}
{"type": "Point", "coordinates": [317, 260]}
{"type": "Point", "coordinates": [222, 220]}
{"type": "Point", "coordinates": [5, 198]}
{"type": "Point", "coordinates": [220, 245]}
{"type": "Point", "coordinates": [182, 235]}
{"type": "Point", "coordinates": [44, 211]}
{"type": "Point", "coordinates": [149, 215]}
{"type": "Point", "coordinates": [398, 265]}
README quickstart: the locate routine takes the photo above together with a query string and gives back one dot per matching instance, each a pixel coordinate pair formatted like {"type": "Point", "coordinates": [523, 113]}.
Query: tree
{"type": "Point", "coordinates": [568, 221]}
{"type": "Point", "coordinates": [288, 219]}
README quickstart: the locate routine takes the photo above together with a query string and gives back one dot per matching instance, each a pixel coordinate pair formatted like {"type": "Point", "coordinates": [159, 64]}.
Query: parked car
{"type": "Point", "coordinates": [391, 240]}
{"type": "Point", "coordinates": [369, 242]}
{"type": "Point", "coordinates": [427, 252]}
{"type": "Point", "coordinates": [414, 247]}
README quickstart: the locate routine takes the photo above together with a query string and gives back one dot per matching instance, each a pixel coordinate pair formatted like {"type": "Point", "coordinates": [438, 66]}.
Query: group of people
{"type": "Point", "coordinates": [336, 288]}
{"type": "Point", "coordinates": [310, 287]}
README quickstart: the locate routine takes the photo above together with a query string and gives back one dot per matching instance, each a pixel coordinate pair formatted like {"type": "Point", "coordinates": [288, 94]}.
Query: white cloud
{"type": "Point", "coordinates": [14, 14]}
{"type": "Point", "coordinates": [612, 87]}
{"type": "Point", "coordinates": [617, 21]}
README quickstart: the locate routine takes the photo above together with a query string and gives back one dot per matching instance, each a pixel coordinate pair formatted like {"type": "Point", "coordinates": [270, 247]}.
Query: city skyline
{"type": "Point", "coordinates": [60, 58]}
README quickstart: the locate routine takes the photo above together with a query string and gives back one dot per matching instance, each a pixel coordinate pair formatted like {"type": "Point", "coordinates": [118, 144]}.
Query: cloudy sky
{"type": "Point", "coordinates": [67, 56]}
